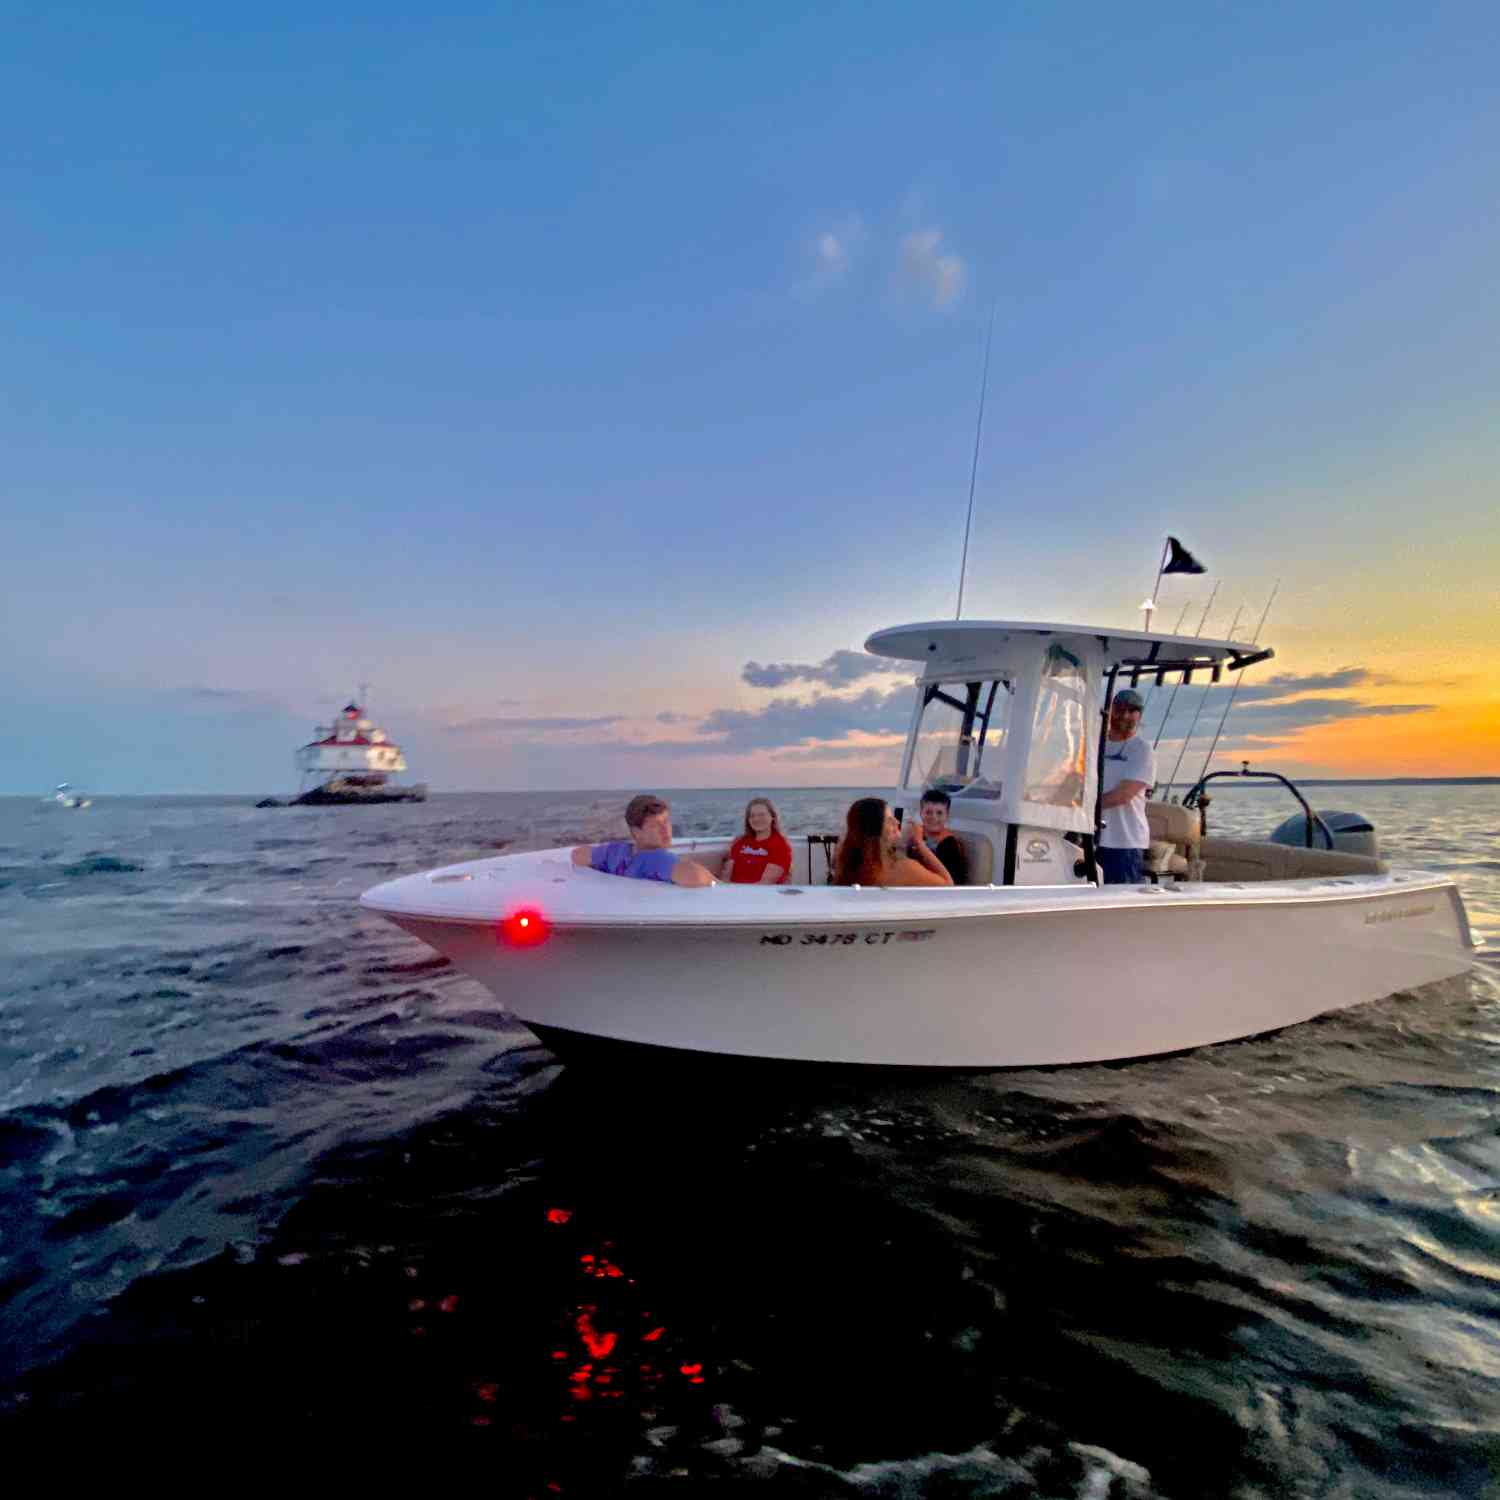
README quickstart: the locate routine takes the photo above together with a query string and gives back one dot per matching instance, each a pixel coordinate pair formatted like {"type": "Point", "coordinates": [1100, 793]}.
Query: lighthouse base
{"type": "Point", "coordinates": [338, 793]}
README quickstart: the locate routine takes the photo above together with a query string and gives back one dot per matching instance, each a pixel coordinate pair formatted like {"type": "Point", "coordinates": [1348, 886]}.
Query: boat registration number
{"type": "Point", "coordinates": [845, 939]}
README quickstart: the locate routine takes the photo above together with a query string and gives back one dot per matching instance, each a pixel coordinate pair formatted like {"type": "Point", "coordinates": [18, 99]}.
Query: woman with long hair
{"type": "Point", "coordinates": [870, 851]}
{"type": "Point", "coordinates": [761, 855]}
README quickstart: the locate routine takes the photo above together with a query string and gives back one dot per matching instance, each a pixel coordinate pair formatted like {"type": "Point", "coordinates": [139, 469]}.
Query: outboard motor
{"type": "Point", "coordinates": [1350, 833]}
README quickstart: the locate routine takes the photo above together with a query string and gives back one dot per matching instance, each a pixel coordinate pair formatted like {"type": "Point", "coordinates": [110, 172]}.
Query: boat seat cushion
{"type": "Point", "coordinates": [1175, 824]}
{"type": "Point", "coordinates": [1160, 855]}
{"type": "Point", "coordinates": [1254, 859]}
{"type": "Point", "coordinates": [981, 854]}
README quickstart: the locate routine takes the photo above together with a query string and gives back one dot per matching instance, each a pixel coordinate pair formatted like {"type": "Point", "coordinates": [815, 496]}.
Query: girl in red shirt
{"type": "Point", "coordinates": [761, 855]}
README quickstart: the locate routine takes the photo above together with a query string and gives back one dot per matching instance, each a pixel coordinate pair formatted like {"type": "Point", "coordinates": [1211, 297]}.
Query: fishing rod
{"type": "Point", "coordinates": [1193, 727]}
{"type": "Point", "coordinates": [984, 381]}
{"type": "Point", "coordinates": [1202, 620]}
{"type": "Point", "coordinates": [1239, 677]}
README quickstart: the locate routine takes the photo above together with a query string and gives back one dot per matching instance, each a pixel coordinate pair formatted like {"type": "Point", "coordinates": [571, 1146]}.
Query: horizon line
{"type": "Point", "coordinates": [832, 786]}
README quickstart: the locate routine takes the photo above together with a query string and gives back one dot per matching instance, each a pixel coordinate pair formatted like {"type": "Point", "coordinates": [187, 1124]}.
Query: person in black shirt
{"type": "Point", "coordinates": [941, 839]}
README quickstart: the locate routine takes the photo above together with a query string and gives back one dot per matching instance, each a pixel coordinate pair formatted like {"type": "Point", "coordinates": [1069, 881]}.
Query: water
{"type": "Point", "coordinates": [267, 1162]}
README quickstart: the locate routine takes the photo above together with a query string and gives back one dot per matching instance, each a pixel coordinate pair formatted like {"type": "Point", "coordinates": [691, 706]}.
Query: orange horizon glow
{"type": "Point", "coordinates": [1449, 741]}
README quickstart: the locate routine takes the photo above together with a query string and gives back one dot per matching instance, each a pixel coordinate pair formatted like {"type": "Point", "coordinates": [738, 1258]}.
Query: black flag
{"type": "Point", "coordinates": [1181, 560]}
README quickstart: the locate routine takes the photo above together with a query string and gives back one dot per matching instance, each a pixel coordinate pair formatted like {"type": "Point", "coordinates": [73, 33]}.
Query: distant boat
{"type": "Point", "coordinates": [67, 796]}
{"type": "Point", "coordinates": [351, 761]}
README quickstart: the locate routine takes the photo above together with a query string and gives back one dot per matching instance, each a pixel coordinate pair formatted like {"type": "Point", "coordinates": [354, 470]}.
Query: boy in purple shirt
{"type": "Point", "coordinates": [648, 855]}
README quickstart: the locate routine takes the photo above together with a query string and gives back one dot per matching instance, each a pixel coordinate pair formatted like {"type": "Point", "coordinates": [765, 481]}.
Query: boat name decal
{"type": "Point", "coordinates": [1398, 914]}
{"type": "Point", "coordinates": [844, 939]}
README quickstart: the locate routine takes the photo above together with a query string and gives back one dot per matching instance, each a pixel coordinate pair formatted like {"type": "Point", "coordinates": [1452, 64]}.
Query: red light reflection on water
{"type": "Point", "coordinates": [612, 1357]}
{"type": "Point", "coordinates": [600, 1345]}
{"type": "Point", "coordinates": [610, 1352]}
{"type": "Point", "coordinates": [600, 1267]}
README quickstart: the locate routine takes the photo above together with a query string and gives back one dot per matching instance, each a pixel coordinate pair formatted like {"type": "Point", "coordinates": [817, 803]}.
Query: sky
{"type": "Point", "coordinates": [590, 380]}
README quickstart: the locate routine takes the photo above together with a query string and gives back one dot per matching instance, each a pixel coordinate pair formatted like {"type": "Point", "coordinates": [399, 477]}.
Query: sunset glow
{"type": "Point", "coordinates": [599, 460]}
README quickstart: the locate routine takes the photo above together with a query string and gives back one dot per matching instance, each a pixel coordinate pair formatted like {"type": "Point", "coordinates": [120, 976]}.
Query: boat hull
{"type": "Point", "coordinates": [979, 981]}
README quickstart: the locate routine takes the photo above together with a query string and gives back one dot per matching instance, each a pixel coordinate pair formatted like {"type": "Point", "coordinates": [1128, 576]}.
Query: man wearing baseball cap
{"type": "Point", "coordinates": [1129, 773]}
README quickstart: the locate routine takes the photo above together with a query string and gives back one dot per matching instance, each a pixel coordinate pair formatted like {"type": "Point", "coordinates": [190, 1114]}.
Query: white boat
{"type": "Point", "coordinates": [1033, 962]}
{"type": "Point", "coordinates": [351, 761]}
{"type": "Point", "coordinates": [67, 796]}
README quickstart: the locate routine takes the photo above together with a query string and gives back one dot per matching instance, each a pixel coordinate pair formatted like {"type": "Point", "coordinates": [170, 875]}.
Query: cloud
{"type": "Point", "coordinates": [923, 264]}
{"type": "Point", "coordinates": [667, 716]}
{"type": "Point", "coordinates": [1288, 684]}
{"type": "Point", "coordinates": [240, 702]}
{"type": "Point", "coordinates": [1277, 719]}
{"type": "Point", "coordinates": [834, 726]}
{"type": "Point", "coordinates": [1273, 709]}
{"type": "Point", "coordinates": [788, 723]}
{"type": "Point", "coordinates": [838, 670]}
{"type": "Point", "coordinates": [833, 251]}
{"type": "Point", "coordinates": [862, 753]}
{"type": "Point", "coordinates": [832, 254]}
{"type": "Point", "coordinates": [507, 726]}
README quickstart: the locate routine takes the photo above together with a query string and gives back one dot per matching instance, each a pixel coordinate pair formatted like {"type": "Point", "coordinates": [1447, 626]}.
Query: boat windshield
{"type": "Point", "coordinates": [960, 722]}
{"type": "Point", "coordinates": [1057, 762]}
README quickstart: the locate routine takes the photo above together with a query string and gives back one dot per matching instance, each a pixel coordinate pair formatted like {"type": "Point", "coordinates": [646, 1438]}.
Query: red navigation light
{"type": "Point", "coordinates": [525, 927]}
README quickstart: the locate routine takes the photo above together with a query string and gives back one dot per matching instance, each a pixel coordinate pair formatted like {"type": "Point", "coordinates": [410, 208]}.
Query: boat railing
{"type": "Point", "coordinates": [1194, 797]}
{"type": "Point", "coordinates": [827, 843]}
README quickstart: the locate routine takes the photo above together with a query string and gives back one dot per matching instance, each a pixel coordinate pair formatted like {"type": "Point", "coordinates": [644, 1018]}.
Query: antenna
{"type": "Point", "coordinates": [984, 381]}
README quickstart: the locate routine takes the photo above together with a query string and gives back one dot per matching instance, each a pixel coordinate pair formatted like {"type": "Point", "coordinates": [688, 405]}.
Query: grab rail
{"type": "Point", "coordinates": [829, 841]}
{"type": "Point", "coordinates": [1193, 797]}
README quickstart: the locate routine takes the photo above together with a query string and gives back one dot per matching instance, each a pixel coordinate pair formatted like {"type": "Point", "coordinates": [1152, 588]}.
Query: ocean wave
{"type": "Point", "coordinates": [102, 864]}
{"type": "Point", "coordinates": [1075, 1471]}
{"type": "Point", "coordinates": [268, 1159]}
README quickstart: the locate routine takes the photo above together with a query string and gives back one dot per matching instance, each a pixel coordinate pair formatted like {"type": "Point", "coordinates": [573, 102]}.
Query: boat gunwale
{"type": "Point", "coordinates": [1169, 897]}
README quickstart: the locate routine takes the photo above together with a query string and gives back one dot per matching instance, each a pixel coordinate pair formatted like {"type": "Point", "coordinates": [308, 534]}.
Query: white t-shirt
{"type": "Point", "coordinates": [1127, 760]}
